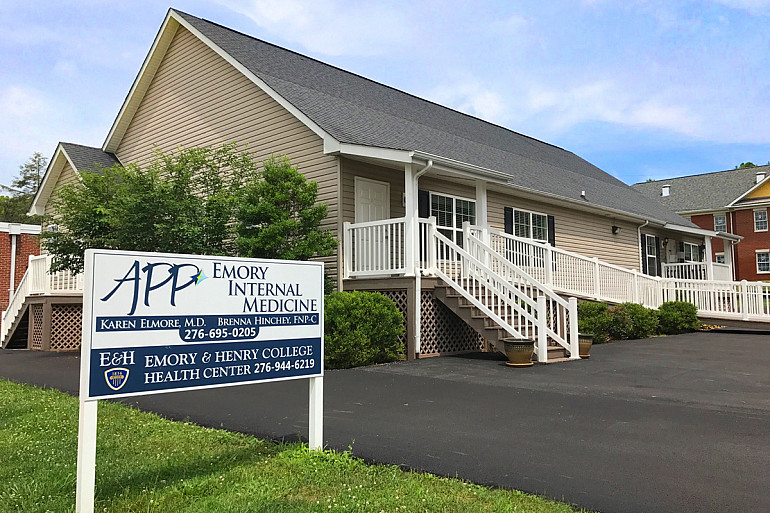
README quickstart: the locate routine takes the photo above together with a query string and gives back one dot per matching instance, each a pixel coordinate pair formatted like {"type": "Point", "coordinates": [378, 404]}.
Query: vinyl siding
{"type": "Point", "coordinates": [196, 98]}
{"type": "Point", "coordinates": [440, 186]}
{"type": "Point", "coordinates": [581, 232]}
{"type": "Point", "coordinates": [763, 191]}
{"type": "Point", "coordinates": [351, 168]}
{"type": "Point", "coordinates": [67, 176]}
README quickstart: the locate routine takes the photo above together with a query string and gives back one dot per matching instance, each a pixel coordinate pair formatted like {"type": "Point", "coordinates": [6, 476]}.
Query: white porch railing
{"type": "Point", "coordinates": [696, 271]}
{"type": "Point", "coordinates": [559, 271]}
{"type": "Point", "coordinates": [374, 248]}
{"type": "Point", "coordinates": [684, 271]}
{"type": "Point", "coordinates": [744, 300]}
{"type": "Point", "coordinates": [37, 281]}
{"type": "Point", "coordinates": [571, 273]}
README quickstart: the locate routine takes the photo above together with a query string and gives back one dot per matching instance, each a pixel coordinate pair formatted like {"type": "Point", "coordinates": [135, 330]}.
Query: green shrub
{"type": "Point", "coordinates": [678, 317]}
{"type": "Point", "coordinates": [632, 321]}
{"type": "Point", "coordinates": [361, 328]}
{"type": "Point", "coordinates": [594, 318]}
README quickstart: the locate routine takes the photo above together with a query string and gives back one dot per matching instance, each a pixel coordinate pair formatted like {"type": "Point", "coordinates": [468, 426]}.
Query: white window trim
{"type": "Point", "coordinates": [767, 221]}
{"type": "Point", "coordinates": [696, 248]}
{"type": "Point", "coordinates": [531, 226]}
{"type": "Point", "coordinates": [454, 209]}
{"type": "Point", "coordinates": [716, 258]}
{"type": "Point", "coordinates": [756, 260]}
{"type": "Point", "coordinates": [721, 214]}
{"type": "Point", "coordinates": [647, 255]}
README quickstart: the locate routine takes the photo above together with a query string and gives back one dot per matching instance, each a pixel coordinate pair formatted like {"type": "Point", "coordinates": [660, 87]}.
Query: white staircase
{"type": "Point", "coordinates": [514, 303]}
{"type": "Point", "coordinates": [37, 281]}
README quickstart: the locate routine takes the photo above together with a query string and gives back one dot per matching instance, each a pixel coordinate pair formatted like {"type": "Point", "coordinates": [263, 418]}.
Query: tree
{"type": "Point", "coordinates": [745, 165]}
{"type": "Point", "coordinates": [13, 208]}
{"type": "Point", "coordinates": [278, 216]}
{"type": "Point", "coordinates": [183, 202]}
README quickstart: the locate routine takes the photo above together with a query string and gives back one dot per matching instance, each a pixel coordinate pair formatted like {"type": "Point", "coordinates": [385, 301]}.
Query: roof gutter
{"type": "Point", "coordinates": [505, 179]}
{"type": "Point", "coordinates": [702, 232]}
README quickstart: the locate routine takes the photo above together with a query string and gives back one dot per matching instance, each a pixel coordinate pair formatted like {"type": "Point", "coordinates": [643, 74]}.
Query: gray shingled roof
{"type": "Point", "coordinates": [356, 110]}
{"type": "Point", "coordinates": [709, 191]}
{"type": "Point", "coordinates": [87, 158]}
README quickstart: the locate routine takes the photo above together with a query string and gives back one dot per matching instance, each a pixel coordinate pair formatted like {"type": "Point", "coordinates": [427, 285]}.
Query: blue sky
{"type": "Point", "coordinates": [642, 89]}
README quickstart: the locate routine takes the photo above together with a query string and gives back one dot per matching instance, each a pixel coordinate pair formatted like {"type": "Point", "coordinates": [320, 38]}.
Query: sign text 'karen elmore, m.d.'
{"type": "Point", "coordinates": [168, 322]}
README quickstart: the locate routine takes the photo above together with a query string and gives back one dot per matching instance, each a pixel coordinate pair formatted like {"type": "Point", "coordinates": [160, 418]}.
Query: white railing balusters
{"type": "Point", "coordinates": [37, 280]}
{"type": "Point", "coordinates": [375, 248]}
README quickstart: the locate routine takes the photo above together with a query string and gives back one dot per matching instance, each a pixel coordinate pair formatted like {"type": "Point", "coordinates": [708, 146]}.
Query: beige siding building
{"type": "Point", "coordinates": [401, 177]}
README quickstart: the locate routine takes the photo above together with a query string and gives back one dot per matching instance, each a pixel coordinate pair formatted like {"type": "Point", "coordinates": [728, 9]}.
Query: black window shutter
{"type": "Point", "coordinates": [423, 204]}
{"type": "Point", "coordinates": [644, 254]}
{"type": "Point", "coordinates": [551, 231]}
{"type": "Point", "coordinates": [508, 219]}
{"type": "Point", "coordinates": [660, 256]}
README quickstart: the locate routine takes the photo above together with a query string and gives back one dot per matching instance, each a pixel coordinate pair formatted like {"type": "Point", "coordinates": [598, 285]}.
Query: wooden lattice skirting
{"type": "Point", "coordinates": [55, 323]}
{"type": "Point", "coordinates": [442, 331]}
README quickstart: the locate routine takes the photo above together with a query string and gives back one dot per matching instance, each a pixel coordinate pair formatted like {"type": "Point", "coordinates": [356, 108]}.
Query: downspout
{"type": "Point", "coordinates": [416, 248]}
{"type": "Point", "coordinates": [12, 281]}
{"type": "Point", "coordinates": [639, 239]}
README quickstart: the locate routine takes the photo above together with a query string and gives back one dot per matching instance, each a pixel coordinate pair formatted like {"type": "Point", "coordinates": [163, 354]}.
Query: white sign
{"type": "Point", "coordinates": [155, 323]}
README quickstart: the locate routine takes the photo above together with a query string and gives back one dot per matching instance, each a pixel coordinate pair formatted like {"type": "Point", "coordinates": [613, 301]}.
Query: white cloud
{"type": "Point", "coordinates": [66, 68]}
{"type": "Point", "coordinates": [754, 7]}
{"type": "Point", "coordinates": [330, 27]}
{"type": "Point", "coordinates": [30, 121]}
{"type": "Point", "coordinates": [472, 98]}
{"type": "Point", "coordinates": [608, 102]}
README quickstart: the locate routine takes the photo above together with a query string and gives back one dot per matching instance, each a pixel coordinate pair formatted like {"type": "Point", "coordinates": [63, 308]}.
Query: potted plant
{"type": "Point", "coordinates": [585, 340]}
{"type": "Point", "coordinates": [519, 351]}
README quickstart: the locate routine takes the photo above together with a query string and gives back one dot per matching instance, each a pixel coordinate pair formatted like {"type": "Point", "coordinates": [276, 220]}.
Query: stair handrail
{"type": "Point", "coordinates": [634, 290]}
{"type": "Point", "coordinates": [568, 338]}
{"type": "Point", "coordinates": [14, 306]}
{"type": "Point", "coordinates": [504, 291]}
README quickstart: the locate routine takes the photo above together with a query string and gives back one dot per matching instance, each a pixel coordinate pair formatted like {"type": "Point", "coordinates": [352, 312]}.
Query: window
{"type": "Point", "coordinates": [451, 213]}
{"type": "Point", "coordinates": [763, 261]}
{"type": "Point", "coordinates": [691, 252]}
{"type": "Point", "coordinates": [530, 225]}
{"type": "Point", "coordinates": [720, 258]}
{"type": "Point", "coordinates": [652, 255]}
{"type": "Point", "coordinates": [760, 220]}
{"type": "Point", "coordinates": [720, 223]}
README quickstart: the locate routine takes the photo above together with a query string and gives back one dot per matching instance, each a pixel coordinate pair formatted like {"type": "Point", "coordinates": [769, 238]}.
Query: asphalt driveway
{"type": "Point", "coordinates": [675, 424]}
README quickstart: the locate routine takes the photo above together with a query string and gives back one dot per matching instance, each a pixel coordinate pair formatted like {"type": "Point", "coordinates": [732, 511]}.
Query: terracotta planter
{"type": "Point", "coordinates": [519, 351]}
{"type": "Point", "coordinates": [584, 344]}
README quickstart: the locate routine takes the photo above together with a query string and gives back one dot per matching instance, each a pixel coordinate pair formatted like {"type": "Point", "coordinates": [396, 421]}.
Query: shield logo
{"type": "Point", "coordinates": [116, 377]}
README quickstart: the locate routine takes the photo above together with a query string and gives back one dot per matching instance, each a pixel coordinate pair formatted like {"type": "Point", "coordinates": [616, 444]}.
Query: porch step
{"type": "Point", "coordinates": [482, 324]}
{"type": "Point", "coordinates": [17, 336]}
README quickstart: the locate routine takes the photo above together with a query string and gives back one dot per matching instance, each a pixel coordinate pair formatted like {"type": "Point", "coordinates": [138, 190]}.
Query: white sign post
{"type": "Point", "coordinates": [156, 323]}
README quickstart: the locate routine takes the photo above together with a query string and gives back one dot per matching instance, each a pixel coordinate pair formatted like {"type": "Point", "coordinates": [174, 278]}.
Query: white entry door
{"type": "Point", "coordinates": [373, 244]}
{"type": "Point", "coordinates": [372, 200]}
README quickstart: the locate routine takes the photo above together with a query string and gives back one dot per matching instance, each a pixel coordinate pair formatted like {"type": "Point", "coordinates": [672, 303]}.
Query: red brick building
{"type": "Point", "coordinates": [734, 201]}
{"type": "Point", "coordinates": [17, 243]}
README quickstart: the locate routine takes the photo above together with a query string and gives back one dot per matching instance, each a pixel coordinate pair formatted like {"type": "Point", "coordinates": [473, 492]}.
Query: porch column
{"type": "Point", "coordinates": [709, 260]}
{"type": "Point", "coordinates": [412, 215]}
{"type": "Point", "coordinates": [481, 203]}
{"type": "Point", "coordinates": [728, 245]}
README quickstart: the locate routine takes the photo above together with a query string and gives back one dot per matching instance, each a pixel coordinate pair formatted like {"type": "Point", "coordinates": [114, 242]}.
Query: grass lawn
{"type": "Point", "coordinates": [146, 463]}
